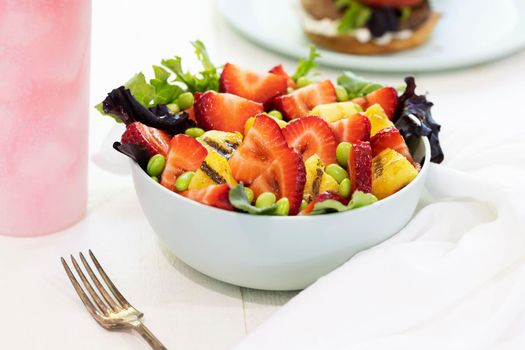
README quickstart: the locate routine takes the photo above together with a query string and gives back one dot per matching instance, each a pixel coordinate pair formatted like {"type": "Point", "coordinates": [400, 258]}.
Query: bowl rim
{"type": "Point", "coordinates": [424, 169]}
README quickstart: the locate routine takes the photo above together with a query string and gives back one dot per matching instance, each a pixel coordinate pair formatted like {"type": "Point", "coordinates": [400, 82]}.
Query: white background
{"type": "Point", "coordinates": [184, 308]}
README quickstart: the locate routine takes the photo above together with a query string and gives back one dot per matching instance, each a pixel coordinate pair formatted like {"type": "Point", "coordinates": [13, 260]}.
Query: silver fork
{"type": "Point", "coordinates": [116, 312]}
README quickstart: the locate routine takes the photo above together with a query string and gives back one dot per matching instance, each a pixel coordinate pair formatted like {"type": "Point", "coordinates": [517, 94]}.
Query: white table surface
{"type": "Point", "coordinates": [186, 309]}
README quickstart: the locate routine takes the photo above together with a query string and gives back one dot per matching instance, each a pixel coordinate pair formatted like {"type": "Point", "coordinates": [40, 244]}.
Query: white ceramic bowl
{"type": "Point", "coordinates": [272, 252]}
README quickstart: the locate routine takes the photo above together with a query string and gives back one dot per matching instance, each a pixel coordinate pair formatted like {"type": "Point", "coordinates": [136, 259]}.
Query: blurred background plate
{"type": "Point", "coordinates": [470, 32]}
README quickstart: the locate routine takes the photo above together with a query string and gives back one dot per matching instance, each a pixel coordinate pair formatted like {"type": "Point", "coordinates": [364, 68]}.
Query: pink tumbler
{"type": "Point", "coordinates": [44, 104]}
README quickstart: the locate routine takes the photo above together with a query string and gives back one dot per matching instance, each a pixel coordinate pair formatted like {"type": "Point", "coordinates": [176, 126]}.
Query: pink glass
{"type": "Point", "coordinates": [44, 97]}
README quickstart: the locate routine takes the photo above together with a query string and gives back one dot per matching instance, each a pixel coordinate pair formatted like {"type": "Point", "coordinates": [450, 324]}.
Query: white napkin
{"type": "Point", "coordinates": [453, 278]}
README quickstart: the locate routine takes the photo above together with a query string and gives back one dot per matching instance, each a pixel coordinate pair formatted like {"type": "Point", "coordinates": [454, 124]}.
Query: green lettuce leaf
{"type": "Point", "coordinates": [355, 85]}
{"type": "Point", "coordinates": [140, 89]}
{"type": "Point", "coordinates": [359, 200]}
{"type": "Point", "coordinates": [356, 15]}
{"type": "Point", "coordinates": [239, 200]}
{"type": "Point", "coordinates": [305, 65]}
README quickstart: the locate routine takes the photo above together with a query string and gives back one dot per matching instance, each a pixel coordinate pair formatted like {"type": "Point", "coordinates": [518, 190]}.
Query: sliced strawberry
{"type": "Point", "coordinates": [213, 195]}
{"type": "Point", "coordinates": [386, 97]}
{"type": "Point", "coordinates": [311, 135]}
{"type": "Point", "coordinates": [390, 138]}
{"type": "Point", "coordinates": [352, 129]}
{"type": "Point", "coordinates": [225, 112]}
{"type": "Point", "coordinates": [321, 198]}
{"type": "Point", "coordinates": [156, 141]}
{"type": "Point", "coordinates": [361, 101]}
{"type": "Point", "coordinates": [261, 145]}
{"type": "Point", "coordinates": [253, 86]}
{"type": "Point", "coordinates": [265, 162]}
{"type": "Point", "coordinates": [285, 177]}
{"type": "Point", "coordinates": [360, 167]}
{"type": "Point", "coordinates": [185, 154]}
{"type": "Point", "coordinates": [279, 70]}
{"type": "Point", "coordinates": [300, 102]}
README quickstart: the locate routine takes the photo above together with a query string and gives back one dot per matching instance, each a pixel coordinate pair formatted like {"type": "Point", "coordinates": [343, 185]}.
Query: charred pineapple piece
{"type": "Point", "coordinates": [222, 142]}
{"type": "Point", "coordinates": [332, 112]}
{"type": "Point", "coordinates": [214, 170]}
{"type": "Point", "coordinates": [390, 172]}
{"type": "Point", "coordinates": [378, 119]}
{"type": "Point", "coordinates": [317, 181]}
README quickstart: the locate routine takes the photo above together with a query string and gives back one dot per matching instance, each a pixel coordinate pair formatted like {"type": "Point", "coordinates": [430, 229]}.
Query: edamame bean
{"type": "Point", "coordinates": [174, 108]}
{"type": "Point", "coordinates": [194, 132]}
{"type": "Point", "coordinates": [341, 152]}
{"type": "Point", "coordinates": [185, 100]}
{"type": "Point", "coordinates": [303, 81]}
{"type": "Point", "coordinates": [276, 114]}
{"type": "Point", "coordinates": [344, 188]}
{"type": "Point", "coordinates": [283, 207]}
{"type": "Point", "coordinates": [265, 200]}
{"type": "Point", "coordinates": [304, 204]}
{"type": "Point", "coordinates": [154, 178]}
{"type": "Point", "coordinates": [337, 172]}
{"type": "Point", "coordinates": [156, 165]}
{"type": "Point", "coordinates": [183, 181]}
{"type": "Point", "coordinates": [249, 194]}
{"type": "Point", "coordinates": [341, 93]}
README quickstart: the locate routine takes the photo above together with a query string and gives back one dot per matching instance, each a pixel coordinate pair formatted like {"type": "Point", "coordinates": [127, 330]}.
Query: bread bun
{"type": "Point", "coordinates": [349, 43]}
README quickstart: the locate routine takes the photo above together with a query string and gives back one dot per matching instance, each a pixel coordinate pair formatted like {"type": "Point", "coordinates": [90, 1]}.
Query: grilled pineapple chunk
{"type": "Point", "coordinates": [249, 123]}
{"type": "Point", "coordinates": [332, 112]}
{"type": "Point", "coordinates": [390, 172]}
{"type": "Point", "coordinates": [213, 170]}
{"type": "Point", "coordinates": [378, 119]}
{"type": "Point", "coordinates": [222, 142]}
{"type": "Point", "coordinates": [317, 181]}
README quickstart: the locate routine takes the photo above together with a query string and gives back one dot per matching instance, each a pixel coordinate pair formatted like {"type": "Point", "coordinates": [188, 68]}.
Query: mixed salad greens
{"type": "Point", "coordinates": [219, 136]}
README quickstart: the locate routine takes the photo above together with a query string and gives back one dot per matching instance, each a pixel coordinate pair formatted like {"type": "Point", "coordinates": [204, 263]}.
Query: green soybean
{"type": "Point", "coordinates": [174, 108]}
{"type": "Point", "coordinates": [341, 93]}
{"type": "Point", "coordinates": [304, 204]}
{"type": "Point", "coordinates": [337, 172]}
{"type": "Point", "coordinates": [265, 200]}
{"type": "Point", "coordinates": [341, 152]}
{"type": "Point", "coordinates": [183, 181]}
{"type": "Point", "coordinates": [276, 114]}
{"type": "Point", "coordinates": [283, 207]}
{"type": "Point", "coordinates": [156, 165]}
{"type": "Point", "coordinates": [249, 194]}
{"type": "Point", "coordinates": [185, 100]}
{"type": "Point", "coordinates": [154, 178]}
{"type": "Point", "coordinates": [194, 132]}
{"type": "Point", "coordinates": [303, 81]}
{"type": "Point", "coordinates": [344, 188]}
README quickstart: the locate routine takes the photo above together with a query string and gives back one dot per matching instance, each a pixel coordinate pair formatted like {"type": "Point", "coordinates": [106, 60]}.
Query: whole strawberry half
{"type": "Point", "coordinates": [321, 198]}
{"type": "Point", "coordinates": [311, 135]}
{"type": "Point", "coordinates": [279, 70]}
{"type": "Point", "coordinates": [390, 138]}
{"type": "Point", "coordinates": [155, 140]}
{"type": "Point", "coordinates": [251, 85]}
{"type": "Point", "coordinates": [360, 167]}
{"type": "Point", "coordinates": [352, 129]}
{"type": "Point", "coordinates": [386, 97]}
{"type": "Point", "coordinates": [213, 195]}
{"type": "Point", "coordinates": [185, 154]}
{"type": "Point", "coordinates": [265, 162]}
{"type": "Point", "coordinates": [300, 102]}
{"type": "Point", "coordinates": [224, 112]}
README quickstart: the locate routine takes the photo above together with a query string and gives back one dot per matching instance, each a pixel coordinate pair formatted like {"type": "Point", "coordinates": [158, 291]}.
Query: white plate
{"type": "Point", "coordinates": [470, 32]}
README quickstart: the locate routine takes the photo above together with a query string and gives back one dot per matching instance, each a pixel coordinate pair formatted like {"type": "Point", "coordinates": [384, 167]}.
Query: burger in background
{"type": "Point", "coordinates": [368, 27]}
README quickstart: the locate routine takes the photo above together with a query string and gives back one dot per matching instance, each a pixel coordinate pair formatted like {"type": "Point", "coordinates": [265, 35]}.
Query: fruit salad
{"type": "Point", "coordinates": [270, 142]}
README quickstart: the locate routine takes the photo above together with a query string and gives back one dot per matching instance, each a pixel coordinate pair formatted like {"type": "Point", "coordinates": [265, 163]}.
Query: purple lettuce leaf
{"type": "Point", "coordinates": [121, 103]}
{"type": "Point", "coordinates": [138, 153]}
{"type": "Point", "coordinates": [412, 105]}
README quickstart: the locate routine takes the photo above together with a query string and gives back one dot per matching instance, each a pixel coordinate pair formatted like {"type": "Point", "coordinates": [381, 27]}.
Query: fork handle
{"type": "Point", "coordinates": [149, 337]}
